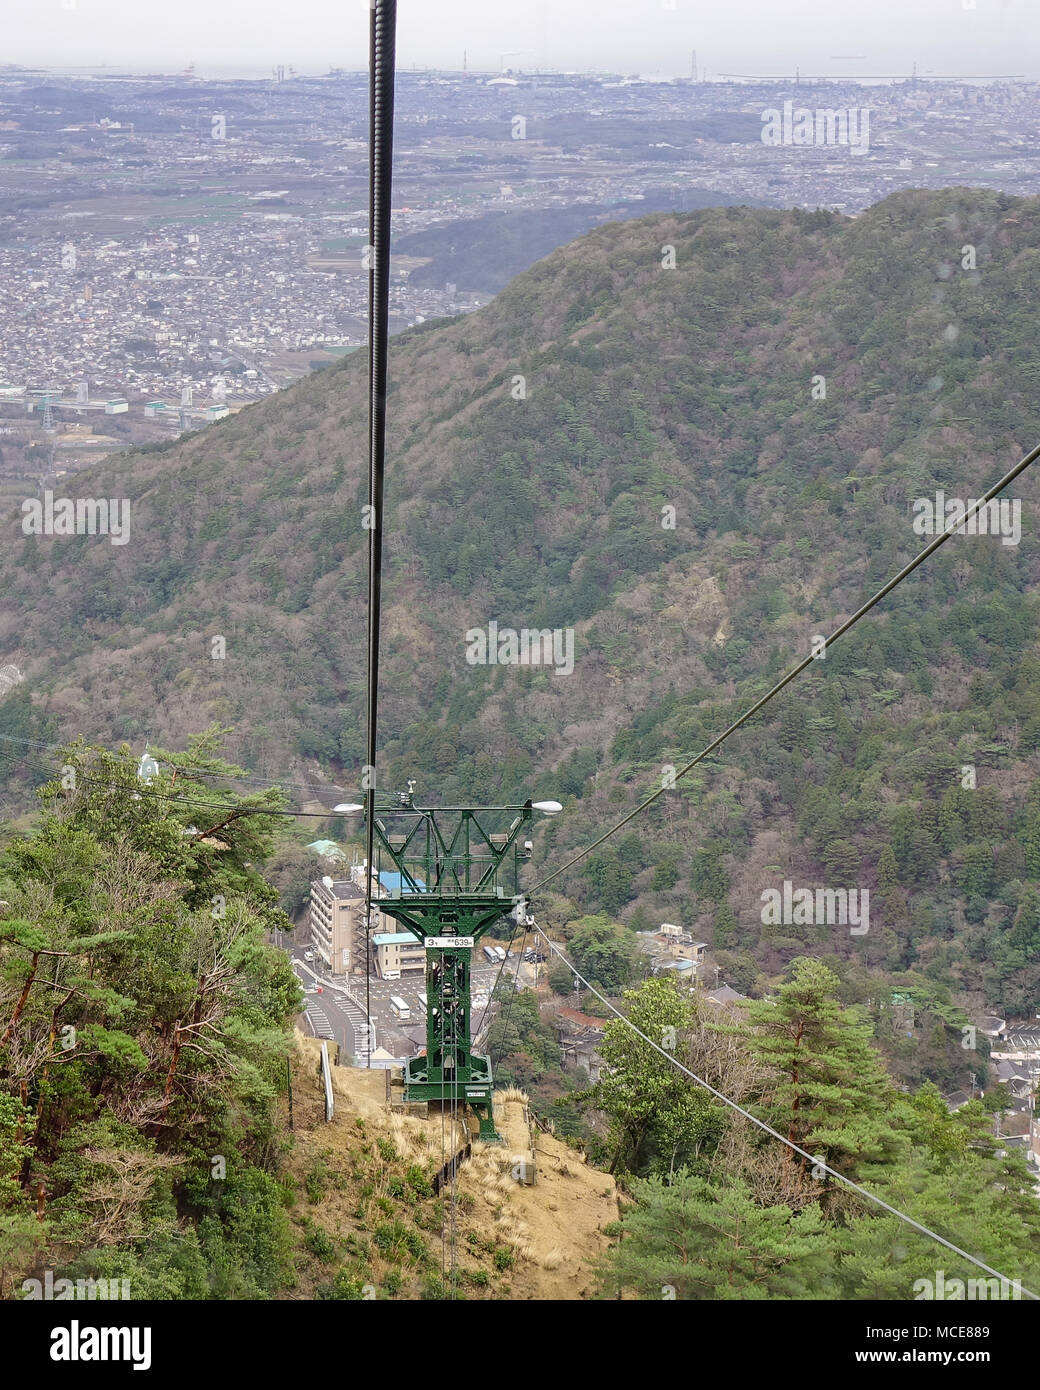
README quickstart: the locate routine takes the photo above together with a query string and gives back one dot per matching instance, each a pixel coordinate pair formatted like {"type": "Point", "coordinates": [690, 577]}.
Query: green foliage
{"type": "Point", "coordinates": [418, 1180]}
{"type": "Point", "coordinates": [320, 1243]}
{"type": "Point", "coordinates": [346, 1287]}
{"type": "Point", "coordinates": [765, 1224]}
{"type": "Point", "coordinates": [136, 995]}
{"type": "Point", "coordinates": [399, 1242]}
{"type": "Point", "coordinates": [693, 1239]}
{"type": "Point", "coordinates": [707, 874]}
{"type": "Point", "coordinates": [314, 1182]}
{"type": "Point", "coordinates": [560, 976]}
{"type": "Point", "coordinates": [828, 1090]}
{"type": "Point", "coordinates": [657, 1121]}
{"type": "Point", "coordinates": [524, 1051]}
{"type": "Point", "coordinates": [604, 952]}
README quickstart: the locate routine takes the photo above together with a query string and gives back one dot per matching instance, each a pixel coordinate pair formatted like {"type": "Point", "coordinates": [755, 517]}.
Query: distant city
{"type": "Point", "coordinates": [173, 248]}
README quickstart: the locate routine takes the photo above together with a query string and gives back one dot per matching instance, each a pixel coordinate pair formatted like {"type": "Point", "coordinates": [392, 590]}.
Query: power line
{"type": "Point", "coordinates": [170, 797]}
{"type": "Point", "coordinates": [494, 985]}
{"type": "Point", "coordinates": [775, 1133]}
{"type": "Point", "coordinates": [952, 528]}
{"type": "Point", "coordinates": [266, 783]}
{"type": "Point", "coordinates": [382, 45]}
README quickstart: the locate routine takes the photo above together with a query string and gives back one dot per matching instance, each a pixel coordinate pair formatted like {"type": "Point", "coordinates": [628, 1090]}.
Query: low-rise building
{"type": "Point", "coordinates": [398, 953]}
{"type": "Point", "coordinates": [337, 921]}
{"type": "Point", "coordinates": [672, 948]}
{"type": "Point", "coordinates": [328, 849]}
{"type": "Point", "coordinates": [724, 996]}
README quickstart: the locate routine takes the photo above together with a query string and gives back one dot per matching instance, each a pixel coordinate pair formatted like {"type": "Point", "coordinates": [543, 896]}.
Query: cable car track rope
{"type": "Point", "coordinates": [952, 528]}
{"type": "Point", "coordinates": [382, 54]}
{"type": "Point", "coordinates": [775, 1133]}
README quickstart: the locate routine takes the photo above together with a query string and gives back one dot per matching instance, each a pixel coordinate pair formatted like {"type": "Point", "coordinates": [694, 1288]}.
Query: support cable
{"type": "Point", "coordinates": [951, 529]}
{"type": "Point", "coordinates": [382, 46]}
{"type": "Point", "coordinates": [775, 1133]}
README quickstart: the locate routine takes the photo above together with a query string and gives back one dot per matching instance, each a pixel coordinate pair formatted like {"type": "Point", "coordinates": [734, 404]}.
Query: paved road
{"type": "Point", "coordinates": [340, 1017]}
{"type": "Point", "coordinates": [332, 1013]}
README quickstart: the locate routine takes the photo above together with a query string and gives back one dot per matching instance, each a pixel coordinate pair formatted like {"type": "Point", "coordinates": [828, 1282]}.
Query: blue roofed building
{"type": "Point", "coordinates": [391, 884]}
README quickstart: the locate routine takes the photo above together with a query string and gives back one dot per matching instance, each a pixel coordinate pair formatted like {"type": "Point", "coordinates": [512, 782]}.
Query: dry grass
{"type": "Point", "coordinates": [512, 1093]}
{"type": "Point", "coordinates": [553, 1228]}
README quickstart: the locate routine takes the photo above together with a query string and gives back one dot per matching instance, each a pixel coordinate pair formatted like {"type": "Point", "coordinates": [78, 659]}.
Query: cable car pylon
{"type": "Point", "coordinates": [455, 872]}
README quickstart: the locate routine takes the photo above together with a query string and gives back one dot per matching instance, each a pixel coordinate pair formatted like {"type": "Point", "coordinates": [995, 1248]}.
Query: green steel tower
{"type": "Point", "coordinates": [454, 873]}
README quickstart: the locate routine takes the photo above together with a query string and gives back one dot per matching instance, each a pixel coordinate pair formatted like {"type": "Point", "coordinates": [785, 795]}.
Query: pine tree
{"type": "Point", "coordinates": [725, 931]}
{"type": "Point", "coordinates": [888, 871]}
{"type": "Point", "coordinates": [695, 1240]}
{"type": "Point", "coordinates": [830, 1094]}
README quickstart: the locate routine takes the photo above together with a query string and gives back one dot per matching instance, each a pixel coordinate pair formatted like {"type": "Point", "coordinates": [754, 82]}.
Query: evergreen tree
{"type": "Point", "coordinates": [696, 1240]}
{"type": "Point", "coordinates": [828, 1092]}
{"type": "Point", "coordinates": [657, 1118]}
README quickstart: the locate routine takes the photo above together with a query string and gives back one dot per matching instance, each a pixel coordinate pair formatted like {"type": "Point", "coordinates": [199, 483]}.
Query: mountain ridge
{"type": "Point", "coordinates": [533, 447]}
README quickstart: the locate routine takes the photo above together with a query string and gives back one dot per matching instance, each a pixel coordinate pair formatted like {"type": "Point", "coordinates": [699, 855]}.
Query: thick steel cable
{"type": "Point", "coordinates": [498, 975]}
{"type": "Point", "coordinates": [951, 529]}
{"type": "Point", "coordinates": [775, 1133]}
{"type": "Point", "coordinates": [382, 46]}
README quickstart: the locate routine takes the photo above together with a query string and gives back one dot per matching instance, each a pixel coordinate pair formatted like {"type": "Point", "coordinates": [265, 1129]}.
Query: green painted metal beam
{"type": "Point", "coordinates": [457, 876]}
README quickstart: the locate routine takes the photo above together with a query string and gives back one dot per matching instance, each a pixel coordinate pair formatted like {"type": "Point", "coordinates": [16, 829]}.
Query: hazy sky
{"type": "Point", "coordinates": [649, 36]}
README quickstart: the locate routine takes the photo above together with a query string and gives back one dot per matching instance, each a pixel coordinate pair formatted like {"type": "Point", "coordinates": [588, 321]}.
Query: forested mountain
{"type": "Point", "coordinates": [790, 383]}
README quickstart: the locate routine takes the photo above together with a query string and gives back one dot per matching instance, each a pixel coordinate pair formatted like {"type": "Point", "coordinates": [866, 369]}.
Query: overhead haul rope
{"type": "Point", "coordinates": [456, 1135]}
{"type": "Point", "coordinates": [775, 1133]}
{"type": "Point", "coordinates": [382, 36]}
{"type": "Point", "coordinates": [951, 529]}
{"type": "Point", "coordinates": [516, 982]}
{"type": "Point", "coordinates": [143, 790]}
